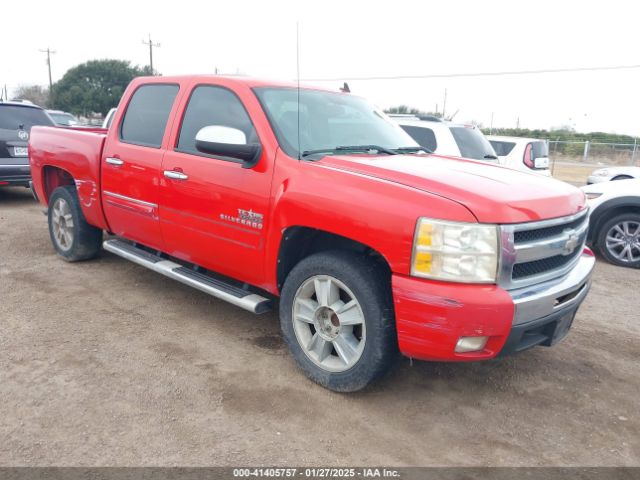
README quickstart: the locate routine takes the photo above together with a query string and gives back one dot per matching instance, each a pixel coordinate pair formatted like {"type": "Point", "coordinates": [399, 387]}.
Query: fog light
{"type": "Point", "coordinates": [471, 344]}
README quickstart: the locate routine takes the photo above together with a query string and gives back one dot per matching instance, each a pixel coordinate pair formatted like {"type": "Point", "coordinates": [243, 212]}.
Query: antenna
{"type": "Point", "coordinates": [298, 82]}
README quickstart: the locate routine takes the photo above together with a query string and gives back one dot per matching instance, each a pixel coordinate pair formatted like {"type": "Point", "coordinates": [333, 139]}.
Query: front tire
{"type": "Point", "coordinates": [72, 237]}
{"type": "Point", "coordinates": [619, 240]}
{"type": "Point", "coordinates": [336, 316]}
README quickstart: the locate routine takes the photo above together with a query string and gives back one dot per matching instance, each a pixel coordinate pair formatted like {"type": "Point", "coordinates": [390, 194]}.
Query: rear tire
{"type": "Point", "coordinates": [336, 315]}
{"type": "Point", "coordinates": [72, 237]}
{"type": "Point", "coordinates": [619, 240]}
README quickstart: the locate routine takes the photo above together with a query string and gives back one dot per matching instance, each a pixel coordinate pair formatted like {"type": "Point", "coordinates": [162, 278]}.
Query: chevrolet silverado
{"type": "Point", "coordinates": [264, 194]}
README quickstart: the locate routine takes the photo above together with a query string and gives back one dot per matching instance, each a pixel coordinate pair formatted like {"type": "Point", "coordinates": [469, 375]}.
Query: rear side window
{"type": "Point", "coordinates": [423, 136]}
{"type": "Point", "coordinates": [540, 149]}
{"type": "Point", "coordinates": [502, 148]}
{"type": "Point", "coordinates": [210, 105]}
{"type": "Point", "coordinates": [147, 114]}
{"type": "Point", "coordinates": [14, 117]}
{"type": "Point", "coordinates": [472, 143]}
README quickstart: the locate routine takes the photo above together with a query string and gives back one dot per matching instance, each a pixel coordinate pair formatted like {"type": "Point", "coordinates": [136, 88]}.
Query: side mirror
{"type": "Point", "coordinates": [228, 142]}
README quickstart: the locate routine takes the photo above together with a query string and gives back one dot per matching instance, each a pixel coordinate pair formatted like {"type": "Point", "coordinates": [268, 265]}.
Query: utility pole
{"type": "Point", "coordinates": [491, 127]}
{"type": "Point", "coordinates": [48, 51]}
{"type": "Point", "coordinates": [151, 45]}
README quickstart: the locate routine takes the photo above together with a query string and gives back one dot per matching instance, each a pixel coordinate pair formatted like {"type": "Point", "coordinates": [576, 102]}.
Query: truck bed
{"type": "Point", "coordinates": [57, 154]}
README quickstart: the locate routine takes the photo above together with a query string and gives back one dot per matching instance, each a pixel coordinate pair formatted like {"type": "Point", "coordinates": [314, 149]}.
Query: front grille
{"type": "Point", "coordinates": [543, 233]}
{"type": "Point", "coordinates": [538, 251]}
{"type": "Point", "coordinates": [537, 267]}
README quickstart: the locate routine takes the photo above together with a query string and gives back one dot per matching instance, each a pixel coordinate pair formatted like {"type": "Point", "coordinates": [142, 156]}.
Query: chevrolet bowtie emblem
{"type": "Point", "coordinates": [571, 243]}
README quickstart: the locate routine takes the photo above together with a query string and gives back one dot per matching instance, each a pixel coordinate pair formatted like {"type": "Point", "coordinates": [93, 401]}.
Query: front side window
{"type": "Point", "coordinates": [310, 120]}
{"type": "Point", "coordinates": [424, 136]}
{"type": "Point", "coordinates": [147, 115]}
{"type": "Point", "coordinates": [213, 106]}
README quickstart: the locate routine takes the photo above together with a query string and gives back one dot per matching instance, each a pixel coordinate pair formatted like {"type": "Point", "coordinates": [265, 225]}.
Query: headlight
{"type": "Point", "coordinates": [455, 252]}
{"type": "Point", "coordinates": [592, 195]}
{"type": "Point", "coordinates": [601, 173]}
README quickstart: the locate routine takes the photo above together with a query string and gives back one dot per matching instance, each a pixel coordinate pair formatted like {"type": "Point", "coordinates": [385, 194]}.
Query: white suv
{"type": "Point", "coordinates": [524, 154]}
{"type": "Point", "coordinates": [447, 138]}
{"type": "Point", "coordinates": [614, 220]}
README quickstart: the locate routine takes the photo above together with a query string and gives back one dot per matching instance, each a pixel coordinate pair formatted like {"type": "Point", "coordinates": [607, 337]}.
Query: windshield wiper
{"type": "Point", "coordinates": [490, 157]}
{"type": "Point", "coordinates": [367, 149]}
{"type": "Point", "coordinates": [351, 148]}
{"type": "Point", "coordinates": [412, 150]}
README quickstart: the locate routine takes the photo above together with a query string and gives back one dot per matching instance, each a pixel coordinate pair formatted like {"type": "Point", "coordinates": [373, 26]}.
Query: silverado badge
{"type": "Point", "coordinates": [248, 218]}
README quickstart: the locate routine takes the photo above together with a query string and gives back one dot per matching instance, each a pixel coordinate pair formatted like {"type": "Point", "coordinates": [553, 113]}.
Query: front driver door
{"type": "Point", "coordinates": [213, 212]}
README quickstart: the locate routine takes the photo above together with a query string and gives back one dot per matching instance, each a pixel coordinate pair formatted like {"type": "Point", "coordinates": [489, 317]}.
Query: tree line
{"type": "Point", "coordinates": [92, 87]}
{"type": "Point", "coordinates": [563, 134]}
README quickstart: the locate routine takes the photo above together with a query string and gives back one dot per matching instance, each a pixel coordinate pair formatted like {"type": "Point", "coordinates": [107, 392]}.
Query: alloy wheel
{"type": "Point", "coordinates": [329, 323]}
{"type": "Point", "coordinates": [62, 222]}
{"type": "Point", "coordinates": [623, 241]}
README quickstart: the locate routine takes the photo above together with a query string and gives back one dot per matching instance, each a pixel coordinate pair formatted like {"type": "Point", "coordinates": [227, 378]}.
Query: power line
{"type": "Point", "coordinates": [475, 74]}
{"type": "Point", "coordinates": [151, 45]}
{"type": "Point", "coordinates": [49, 52]}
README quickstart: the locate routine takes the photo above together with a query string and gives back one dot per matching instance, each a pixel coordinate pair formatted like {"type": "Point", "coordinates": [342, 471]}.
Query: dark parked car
{"type": "Point", "coordinates": [64, 119]}
{"type": "Point", "coordinates": [16, 120]}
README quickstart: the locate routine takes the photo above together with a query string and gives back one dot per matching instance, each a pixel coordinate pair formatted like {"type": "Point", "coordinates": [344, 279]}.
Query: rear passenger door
{"type": "Point", "coordinates": [131, 163]}
{"type": "Point", "coordinates": [213, 211]}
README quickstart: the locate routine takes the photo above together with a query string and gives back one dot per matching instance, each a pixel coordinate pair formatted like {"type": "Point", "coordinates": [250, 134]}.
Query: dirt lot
{"type": "Point", "coordinates": [106, 363]}
{"type": "Point", "coordinates": [574, 173]}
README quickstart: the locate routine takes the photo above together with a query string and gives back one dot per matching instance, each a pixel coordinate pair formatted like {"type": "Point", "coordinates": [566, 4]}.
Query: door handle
{"type": "Point", "coordinates": [175, 175]}
{"type": "Point", "coordinates": [114, 161]}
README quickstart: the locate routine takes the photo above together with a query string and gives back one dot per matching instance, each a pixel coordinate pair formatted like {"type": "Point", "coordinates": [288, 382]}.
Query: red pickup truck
{"type": "Point", "coordinates": [256, 191]}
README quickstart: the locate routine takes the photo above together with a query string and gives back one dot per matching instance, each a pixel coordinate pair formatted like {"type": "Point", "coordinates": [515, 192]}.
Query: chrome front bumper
{"type": "Point", "coordinates": [543, 299]}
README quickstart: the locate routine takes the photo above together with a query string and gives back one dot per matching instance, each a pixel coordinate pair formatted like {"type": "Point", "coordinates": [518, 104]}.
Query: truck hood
{"type": "Point", "coordinates": [493, 194]}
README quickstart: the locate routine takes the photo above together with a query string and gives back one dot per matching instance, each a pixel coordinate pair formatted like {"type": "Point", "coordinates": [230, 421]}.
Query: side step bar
{"type": "Point", "coordinates": [214, 287]}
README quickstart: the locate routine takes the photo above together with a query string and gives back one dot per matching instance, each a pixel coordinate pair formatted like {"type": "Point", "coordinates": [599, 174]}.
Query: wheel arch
{"type": "Point", "coordinates": [54, 177]}
{"type": "Point", "coordinates": [610, 209]}
{"type": "Point", "coordinates": [622, 176]}
{"type": "Point", "coordinates": [299, 242]}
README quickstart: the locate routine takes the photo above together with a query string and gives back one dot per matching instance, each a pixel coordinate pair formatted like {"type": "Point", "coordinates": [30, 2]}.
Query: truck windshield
{"type": "Point", "coordinates": [327, 121]}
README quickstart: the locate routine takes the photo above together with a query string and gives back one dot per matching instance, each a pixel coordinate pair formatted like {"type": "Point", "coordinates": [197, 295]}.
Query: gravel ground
{"type": "Point", "coordinates": [106, 363]}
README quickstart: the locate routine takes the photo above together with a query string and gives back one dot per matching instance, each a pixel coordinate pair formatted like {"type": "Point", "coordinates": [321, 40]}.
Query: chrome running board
{"type": "Point", "coordinates": [216, 288]}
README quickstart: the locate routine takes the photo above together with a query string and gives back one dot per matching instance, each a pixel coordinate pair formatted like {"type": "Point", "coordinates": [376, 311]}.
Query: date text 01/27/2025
{"type": "Point", "coordinates": [315, 473]}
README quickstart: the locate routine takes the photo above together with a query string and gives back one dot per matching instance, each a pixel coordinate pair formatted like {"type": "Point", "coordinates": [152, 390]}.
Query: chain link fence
{"type": "Point", "coordinates": [593, 152]}
{"type": "Point", "coordinates": [573, 161]}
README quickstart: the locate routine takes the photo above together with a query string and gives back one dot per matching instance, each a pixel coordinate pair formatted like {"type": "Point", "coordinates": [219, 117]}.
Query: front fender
{"type": "Point", "coordinates": [377, 213]}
